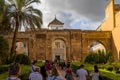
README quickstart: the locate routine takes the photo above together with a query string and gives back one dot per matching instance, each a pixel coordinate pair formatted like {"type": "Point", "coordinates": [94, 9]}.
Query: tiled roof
{"type": "Point", "coordinates": [55, 22]}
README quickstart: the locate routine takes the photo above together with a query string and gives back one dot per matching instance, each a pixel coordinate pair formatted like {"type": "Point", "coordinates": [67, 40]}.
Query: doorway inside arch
{"type": "Point", "coordinates": [58, 50]}
{"type": "Point", "coordinates": [21, 48]}
{"type": "Point", "coordinates": [96, 46]}
{"type": "Point", "coordinates": [57, 57]}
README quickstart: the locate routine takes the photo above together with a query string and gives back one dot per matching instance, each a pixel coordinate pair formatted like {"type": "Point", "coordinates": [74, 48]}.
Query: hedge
{"type": "Point", "coordinates": [3, 68]}
{"type": "Point", "coordinates": [106, 75]}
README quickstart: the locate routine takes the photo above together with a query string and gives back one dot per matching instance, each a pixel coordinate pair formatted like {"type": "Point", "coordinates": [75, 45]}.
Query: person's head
{"type": "Point", "coordinates": [81, 66]}
{"type": "Point", "coordinates": [34, 62]}
{"type": "Point", "coordinates": [37, 69]}
{"type": "Point", "coordinates": [96, 68]}
{"type": "Point", "coordinates": [55, 72]}
{"type": "Point", "coordinates": [14, 69]}
{"type": "Point", "coordinates": [43, 69]}
{"type": "Point", "coordinates": [68, 66]}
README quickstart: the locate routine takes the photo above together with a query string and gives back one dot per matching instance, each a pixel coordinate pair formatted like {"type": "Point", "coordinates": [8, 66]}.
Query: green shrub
{"type": "Point", "coordinates": [4, 51]}
{"type": "Point", "coordinates": [101, 56]}
{"type": "Point", "coordinates": [40, 63]}
{"type": "Point", "coordinates": [118, 72]}
{"type": "Point", "coordinates": [24, 76]}
{"type": "Point", "coordinates": [106, 75]}
{"type": "Point", "coordinates": [106, 78]}
{"type": "Point", "coordinates": [75, 66]}
{"type": "Point", "coordinates": [22, 59]}
{"type": "Point", "coordinates": [110, 68]}
{"type": "Point", "coordinates": [109, 57]}
{"type": "Point", "coordinates": [116, 66]}
{"type": "Point", "coordinates": [110, 75]}
{"type": "Point", "coordinates": [91, 58]}
{"type": "Point", "coordinates": [3, 69]}
{"type": "Point", "coordinates": [25, 71]}
{"type": "Point", "coordinates": [98, 58]}
{"type": "Point", "coordinates": [116, 69]}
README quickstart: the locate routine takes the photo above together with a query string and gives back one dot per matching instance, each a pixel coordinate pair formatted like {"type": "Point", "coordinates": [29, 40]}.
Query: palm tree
{"type": "Point", "coordinates": [22, 13]}
{"type": "Point", "coordinates": [3, 19]}
{"type": "Point", "coordinates": [1, 9]}
{"type": "Point", "coordinates": [4, 22]}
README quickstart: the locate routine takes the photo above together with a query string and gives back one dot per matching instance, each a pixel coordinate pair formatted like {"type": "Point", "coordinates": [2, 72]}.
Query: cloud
{"type": "Point", "coordinates": [91, 9]}
{"type": "Point", "coordinates": [78, 14]}
{"type": "Point", "coordinates": [117, 1]}
{"type": "Point", "coordinates": [85, 24]}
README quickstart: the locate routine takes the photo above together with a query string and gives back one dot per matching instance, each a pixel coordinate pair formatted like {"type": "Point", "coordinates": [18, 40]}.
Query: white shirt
{"type": "Point", "coordinates": [33, 68]}
{"type": "Point", "coordinates": [81, 74]}
{"type": "Point", "coordinates": [95, 76]}
{"type": "Point", "coordinates": [35, 76]}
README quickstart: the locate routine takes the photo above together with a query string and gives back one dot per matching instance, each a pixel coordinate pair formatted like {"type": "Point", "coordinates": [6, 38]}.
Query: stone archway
{"type": "Point", "coordinates": [58, 50]}
{"type": "Point", "coordinates": [77, 42]}
{"type": "Point", "coordinates": [89, 37]}
{"type": "Point", "coordinates": [96, 46]}
{"type": "Point", "coordinates": [51, 40]}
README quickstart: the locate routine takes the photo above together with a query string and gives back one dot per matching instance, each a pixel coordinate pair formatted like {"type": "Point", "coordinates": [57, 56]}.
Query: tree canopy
{"type": "Point", "coordinates": [20, 13]}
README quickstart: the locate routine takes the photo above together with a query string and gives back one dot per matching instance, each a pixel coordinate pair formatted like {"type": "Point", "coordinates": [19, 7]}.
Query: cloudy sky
{"type": "Point", "coordinates": [76, 14]}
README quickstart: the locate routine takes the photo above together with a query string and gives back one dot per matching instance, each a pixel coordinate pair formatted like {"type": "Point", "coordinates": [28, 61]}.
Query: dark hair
{"type": "Point", "coordinates": [43, 71]}
{"type": "Point", "coordinates": [34, 62]}
{"type": "Point", "coordinates": [37, 69]}
{"type": "Point", "coordinates": [81, 66]}
{"type": "Point", "coordinates": [68, 65]}
{"type": "Point", "coordinates": [96, 68]}
{"type": "Point", "coordinates": [14, 68]}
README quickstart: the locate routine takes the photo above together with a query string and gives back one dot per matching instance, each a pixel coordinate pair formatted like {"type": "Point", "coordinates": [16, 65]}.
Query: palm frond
{"type": "Point", "coordinates": [30, 17]}
{"type": "Point", "coordinates": [11, 1]}
{"type": "Point", "coordinates": [29, 2]}
{"type": "Point", "coordinates": [35, 11]}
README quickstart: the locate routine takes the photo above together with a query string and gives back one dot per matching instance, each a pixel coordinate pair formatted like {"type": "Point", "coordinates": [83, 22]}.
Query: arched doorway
{"type": "Point", "coordinates": [97, 46]}
{"type": "Point", "coordinates": [58, 50]}
{"type": "Point", "coordinates": [21, 48]}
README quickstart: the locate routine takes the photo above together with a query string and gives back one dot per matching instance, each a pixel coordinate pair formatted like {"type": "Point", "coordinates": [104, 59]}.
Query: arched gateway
{"type": "Point", "coordinates": [58, 50]}
{"type": "Point", "coordinates": [59, 43]}
{"type": "Point", "coordinates": [64, 44]}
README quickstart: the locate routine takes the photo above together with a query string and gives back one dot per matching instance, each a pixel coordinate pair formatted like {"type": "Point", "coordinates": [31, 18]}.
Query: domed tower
{"type": "Point", "coordinates": [55, 25]}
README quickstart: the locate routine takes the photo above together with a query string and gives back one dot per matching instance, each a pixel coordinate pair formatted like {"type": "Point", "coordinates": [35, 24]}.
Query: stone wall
{"type": "Point", "coordinates": [112, 23]}
{"type": "Point", "coordinates": [108, 23]}
{"type": "Point", "coordinates": [77, 42]}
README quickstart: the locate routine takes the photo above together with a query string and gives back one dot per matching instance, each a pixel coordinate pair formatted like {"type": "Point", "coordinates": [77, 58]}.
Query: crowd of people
{"type": "Point", "coordinates": [51, 71]}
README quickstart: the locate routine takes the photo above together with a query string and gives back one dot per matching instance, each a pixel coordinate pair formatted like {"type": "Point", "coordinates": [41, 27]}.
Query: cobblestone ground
{"type": "Point", "coordinates": [62, 73]}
